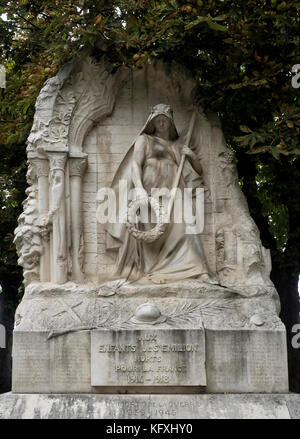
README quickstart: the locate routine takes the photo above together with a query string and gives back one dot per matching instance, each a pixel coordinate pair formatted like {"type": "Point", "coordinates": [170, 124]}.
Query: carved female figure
{"type": "Point", "coordinates": [152, 163]}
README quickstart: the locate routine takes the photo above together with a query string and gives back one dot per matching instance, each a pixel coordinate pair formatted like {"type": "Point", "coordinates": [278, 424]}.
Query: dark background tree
{"type": "Point", "coordinates": [241, 54]}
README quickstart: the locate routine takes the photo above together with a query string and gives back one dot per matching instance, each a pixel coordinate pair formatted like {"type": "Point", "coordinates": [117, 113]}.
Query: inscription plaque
{"type": "Point", "coordinates": [56, 365]}
{"type": "Point", "coordinates": [246, 361]}
{"type": "Point", "coordinates": [70, 362]}
{"type": "Point", "coordinates": [31, 363]}
{"type": "Point", "coordinates": [148, 358]}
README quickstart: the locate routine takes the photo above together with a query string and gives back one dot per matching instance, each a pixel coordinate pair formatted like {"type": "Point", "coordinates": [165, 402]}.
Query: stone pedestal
{"type": "Point", "coordinates": [68, 339]}
{"type": "Point", "coordinates": [64, 364]}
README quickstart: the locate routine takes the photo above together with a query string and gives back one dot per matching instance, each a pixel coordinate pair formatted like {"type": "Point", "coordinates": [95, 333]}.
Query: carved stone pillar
{"type": "Point", "coordinates": [77, 168]}
{"type": "Point", "coordinates": [57, 216]}
{"type": "Point", "coordinates": [41, 167]}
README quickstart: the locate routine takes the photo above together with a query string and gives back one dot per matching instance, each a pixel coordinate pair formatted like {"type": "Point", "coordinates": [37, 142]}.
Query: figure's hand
{"type": "Point", "coordinates": [138, 207]}
{"type": "Point", "coordinates": [140, 192]}
{"type": "Point", "coordinates": [141, 196]}
{"type": "Point", "coordinates": [188, 152]}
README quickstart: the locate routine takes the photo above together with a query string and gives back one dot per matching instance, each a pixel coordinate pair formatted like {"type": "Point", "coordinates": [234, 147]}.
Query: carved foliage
{"type": "Point", "coordinates": [77, 166]}
{"type": "Point", "coordinates": [28, 237]}
{"type": "Point", "coordinates": [73, 98]}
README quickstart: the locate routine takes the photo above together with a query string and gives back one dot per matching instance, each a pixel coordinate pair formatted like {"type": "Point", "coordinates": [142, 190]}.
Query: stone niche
{"type": "Point", "coordinates": [78, 328]}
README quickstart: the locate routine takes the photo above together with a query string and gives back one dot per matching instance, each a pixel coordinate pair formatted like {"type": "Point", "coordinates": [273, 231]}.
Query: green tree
{"type": "Point", "coordinates": [241, 55]}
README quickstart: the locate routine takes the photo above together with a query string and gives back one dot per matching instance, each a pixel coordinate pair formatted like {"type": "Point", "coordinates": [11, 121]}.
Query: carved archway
{"type": "Point", "coordinates": [69, 105]}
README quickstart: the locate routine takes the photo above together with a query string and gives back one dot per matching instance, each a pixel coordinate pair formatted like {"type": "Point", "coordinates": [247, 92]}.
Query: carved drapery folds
{"type": "Point", "coordinates": [77, 166]}
{"type": "Point", "coordinates": [57, 216]}
{"type": "Point", "coordinates": [41, 167]}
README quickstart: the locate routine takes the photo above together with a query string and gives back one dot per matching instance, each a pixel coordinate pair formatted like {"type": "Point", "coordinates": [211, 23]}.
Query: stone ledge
{"type": "Point", "coordinates": [208, 406]}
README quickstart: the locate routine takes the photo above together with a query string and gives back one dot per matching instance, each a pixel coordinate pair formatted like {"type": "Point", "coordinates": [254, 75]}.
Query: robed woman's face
{"type": "Point", "coordinates": [162, 124]}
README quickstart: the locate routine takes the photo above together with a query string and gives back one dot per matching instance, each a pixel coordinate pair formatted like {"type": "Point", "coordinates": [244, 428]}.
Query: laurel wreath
{"type": "Point", "coordinates": [157, 231]}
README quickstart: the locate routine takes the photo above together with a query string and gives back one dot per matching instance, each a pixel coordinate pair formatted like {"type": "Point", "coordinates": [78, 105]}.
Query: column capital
{"type": "Point", "coordinates": [77, 166]}
{"type": "Point", "coordinates": [41, 166]}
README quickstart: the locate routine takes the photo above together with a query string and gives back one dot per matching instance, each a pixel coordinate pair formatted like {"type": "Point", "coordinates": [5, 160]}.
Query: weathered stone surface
{"type": "Point", "coordinates": [243, 406]}
{"type": "Point", "coordinates": [152, 358]}
{"type": "Point", "coordinates": [55, 308]}
{"type": "Point", "coordinates": [293, 405]}
{"type": "Point", "coordinates": [70, 363]}
{"type": "Point", "coordinates": [31, 363]}
{"type": "Point", "coordinates": [57, 365]}
{"type": "Point", "coordinates": [246, 361]}
{"type": "Point", "coordinates": [233, 360]}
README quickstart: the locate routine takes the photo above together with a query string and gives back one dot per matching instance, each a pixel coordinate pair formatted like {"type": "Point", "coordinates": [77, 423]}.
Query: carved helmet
{"type": "Point", "coordinates": [158, 110]}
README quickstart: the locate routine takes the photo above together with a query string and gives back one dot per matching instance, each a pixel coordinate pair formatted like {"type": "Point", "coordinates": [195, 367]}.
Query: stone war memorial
{"type": "Point", "coordinates": [147, 288]}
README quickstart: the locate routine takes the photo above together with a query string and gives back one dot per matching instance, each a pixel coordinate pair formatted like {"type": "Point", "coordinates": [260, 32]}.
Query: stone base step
{"type": "Point", "coordinates": [203, 406]}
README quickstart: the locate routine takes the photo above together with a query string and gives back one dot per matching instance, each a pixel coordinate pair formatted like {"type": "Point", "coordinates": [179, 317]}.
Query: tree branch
{"type": "Point", "coordinates": [27, 21]}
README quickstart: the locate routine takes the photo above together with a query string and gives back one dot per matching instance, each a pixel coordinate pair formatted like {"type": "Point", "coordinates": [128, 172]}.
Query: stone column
{"type": "Point", "coordinates": [41, 167]}
{"type": "Point", "coordinates": [77, 168]}
{"type": "Point", "coordinates": [57, 216]}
